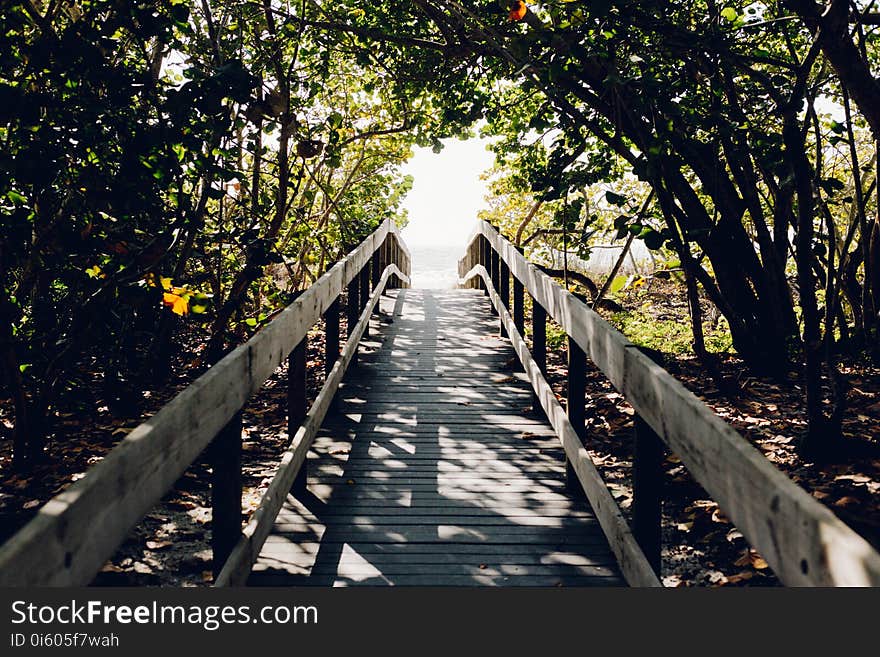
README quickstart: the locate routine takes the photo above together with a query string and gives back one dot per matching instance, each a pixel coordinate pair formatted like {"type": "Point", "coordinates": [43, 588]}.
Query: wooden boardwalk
{"type": "Point", "coordinates": [432, 468]}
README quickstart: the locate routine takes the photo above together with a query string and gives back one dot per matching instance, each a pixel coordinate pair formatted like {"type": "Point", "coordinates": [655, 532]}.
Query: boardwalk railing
{"type": "Point", "coordinates": [74, 533]}
{"type": "Point", "coordinates": [802, 540]}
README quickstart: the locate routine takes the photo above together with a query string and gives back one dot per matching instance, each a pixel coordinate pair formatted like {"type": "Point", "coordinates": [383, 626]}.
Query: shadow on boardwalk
{"type": "Point", "coordinates": [432, 468]}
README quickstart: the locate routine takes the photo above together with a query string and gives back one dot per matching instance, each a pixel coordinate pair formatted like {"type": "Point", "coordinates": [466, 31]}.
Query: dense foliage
{"type": "Point", "coordinates": [159, 159]}
{"type": "Point", "coordinates": [160, 156]}
{"type": "Point", "coordinates": [750, 131]}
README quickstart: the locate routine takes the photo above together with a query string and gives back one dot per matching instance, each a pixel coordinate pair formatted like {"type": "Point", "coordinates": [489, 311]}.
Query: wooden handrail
{"type": "Point", "coordinates": [802, 540]}
{"type": "Point", "coordinates": [74, 533]}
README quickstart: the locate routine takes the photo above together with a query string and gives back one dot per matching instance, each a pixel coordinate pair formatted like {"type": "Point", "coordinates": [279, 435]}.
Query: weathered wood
{"type": "Point", "coordinates": [352, 311]}
{"type": "Point", "coordinates": [575, 401]}
{"type": "Point", "coordinates": [442, 580]}
{"type": "Point", "coordinates": [297, 402]}
{"type": "Point", "coordinates": [376, 269]}
{"type": "Point", "coordinates": [539, 343]}
{"type": "Point", "coordinates": [225, 455]}
{"type": "Point", "coordinates": [60, 546]}
{"type": "Point", "coordinates": [647, 491]}
{"type": "Point", "coordinates": [391, 547]}
{"type": "Point", "coordinates": [802, 540]}
{"type": "Point", "coordinates": [486, 260]}
{"type": "Point", "coordinates": [519, 310]}
{"type": "Point", "coordinates": [251, 540]}
{"type": "Point", "coordinates": [431, 469]}
{"type": "Point", "coordinates": [364, 294]}
{"type": "Point", "coordinates": [503, 291]}
{"type": "Point", "coordinates": [494, 272]}
{"type": "Point", "coordinates": [331, 336]}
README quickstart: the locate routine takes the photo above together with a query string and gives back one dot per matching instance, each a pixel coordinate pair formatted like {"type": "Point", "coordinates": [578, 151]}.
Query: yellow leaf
{"type": "Point", "coordinates": [95, 272]}
{"type": "Point", "coordinates": [177, 304]}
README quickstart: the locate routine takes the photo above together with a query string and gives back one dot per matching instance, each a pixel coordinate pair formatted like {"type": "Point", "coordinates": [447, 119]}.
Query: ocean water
{"type": "Point", "coordinates": [435, 267]}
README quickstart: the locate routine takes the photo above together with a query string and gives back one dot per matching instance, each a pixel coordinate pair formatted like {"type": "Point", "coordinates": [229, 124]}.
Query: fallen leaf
{"type": "Point", "coordinates": [740, 577]}
{"type": "Point", "coordinates": [855, 478]}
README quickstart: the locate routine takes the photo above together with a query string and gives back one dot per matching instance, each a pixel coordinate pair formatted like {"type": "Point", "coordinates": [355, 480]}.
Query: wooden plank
{"type": "Point", "coordinates": [498, 561]}
{"type": "Point", "coordinates": [368, 520]}
{"type": "Point", "coordinates": [391, 467]}
{"type": "Point", "coordinates": [358, 568]}
{"type": "Point", "coordinates": [486, 549]}
{"type": "Point", "coordinates": [434, 401]}
{"type": "Point", "coordinates": [481, 524]}
{"type": "Point", "coordinates": [802, 540]}
{"type": "Point", "coordinates": [449, 458]}
{"type": "Point", "coordinates": [439, 535]}
{"type": "Point", "coordinates": [447, 508]}
{"type": "Point", "coordinates": [441, 580]}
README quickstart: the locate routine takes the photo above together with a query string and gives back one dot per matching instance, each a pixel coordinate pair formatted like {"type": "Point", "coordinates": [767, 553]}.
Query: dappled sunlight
{"type": "Point", "coordinates": [434, 469]}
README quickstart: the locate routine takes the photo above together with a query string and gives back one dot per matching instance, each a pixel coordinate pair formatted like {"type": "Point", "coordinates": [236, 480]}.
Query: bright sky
{"type": "Point", "coordinates": [447, 192]}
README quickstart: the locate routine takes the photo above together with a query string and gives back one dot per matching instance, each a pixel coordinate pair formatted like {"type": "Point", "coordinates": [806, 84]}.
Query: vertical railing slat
{"type": "Point", "coordinates": [225, 458]}
{"type": "Point", "coordinates": [353, 311]}
{"type": "Point", "coordinates": [647, 505]}
{"type": "Point", "coordinates": [297, 402]}
{"type": "Point", "coordinates": [575, 403]}
{"type": "Point", "coordinates": [364, 294]}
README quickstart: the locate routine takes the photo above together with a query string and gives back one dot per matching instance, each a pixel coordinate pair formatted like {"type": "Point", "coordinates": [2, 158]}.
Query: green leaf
{"type": "Point", "coordinates": [831, 185]}
{"type": "Point", "coordinates": [15, 197]}
{"type": "Point", "coordinates": [615, 199]}
{"type": "Point", "coordinates": [729, 14]}
{"type": "Point", "coordinates": [617, 284]}
{"type": "Point", "coordinates": [653, 239]}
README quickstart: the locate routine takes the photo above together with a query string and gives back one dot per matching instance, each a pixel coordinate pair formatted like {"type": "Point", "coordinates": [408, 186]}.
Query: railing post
{"type": "Point", "coordinates": [539, 344]}
{"type": "Point", "coordinates": [577, 390]}
{"type": "Point", "coordinates": [647, 506]}
{"type": "Point", "coordinates": [331, 335]}
{"type": "Point", "coordinates": [503, 291]}
{"type": "Point", "coordinates": [297, 403]}
{"type": "Point", "coordinates": [376, 268]}
{"type": "Point", "coordinates": [353, 311]}
{"type": "Point", "coordinates": [225, 457]}
{"type": "Point", "coordinates": [386, 259]}
{"type": "Point", "coordinates": [485, 260]}
{"type": "Point", "coordinates": [519, 310]}
{"type": "Point", "coordinates": [493, 271]}
{"type": "Point", "coordinates": [365, 293]}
